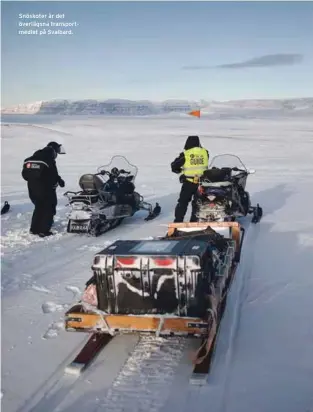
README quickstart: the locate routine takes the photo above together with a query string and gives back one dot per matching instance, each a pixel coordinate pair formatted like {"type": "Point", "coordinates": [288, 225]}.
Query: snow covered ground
{"type": "Point", "coordinates": [264, 357]}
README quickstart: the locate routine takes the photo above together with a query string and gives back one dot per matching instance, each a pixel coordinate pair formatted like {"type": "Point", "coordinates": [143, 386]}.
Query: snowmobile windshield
{"type": "Point", "coordinates": [227, 160]}
{"type": "Point", "coordinates": [120, 166]}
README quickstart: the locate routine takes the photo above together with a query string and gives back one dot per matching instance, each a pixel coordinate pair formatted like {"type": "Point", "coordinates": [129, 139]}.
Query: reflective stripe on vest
{"type": "Point", "coordinates": [196, 162]}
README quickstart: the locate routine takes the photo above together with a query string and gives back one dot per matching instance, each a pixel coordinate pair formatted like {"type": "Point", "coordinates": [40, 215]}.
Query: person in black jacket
{"type": "Point", "coordinates": [41, 173]}
{"type": "Point", "coordinates": [191, 164]}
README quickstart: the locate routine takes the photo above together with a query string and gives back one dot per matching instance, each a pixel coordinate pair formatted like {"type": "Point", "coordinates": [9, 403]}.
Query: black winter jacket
{"type": "Point", "coordinates": [50, 177]}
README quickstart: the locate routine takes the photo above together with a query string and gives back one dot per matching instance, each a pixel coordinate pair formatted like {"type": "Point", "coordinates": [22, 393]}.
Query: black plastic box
{"type": "Point", "coordinates": [154, 277]}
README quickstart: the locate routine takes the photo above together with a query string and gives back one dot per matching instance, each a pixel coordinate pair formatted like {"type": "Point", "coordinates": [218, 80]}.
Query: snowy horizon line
{"type": "Point", "coordinates": [149, 107]}
{"type": "Point", "coordinates": [200, 99]}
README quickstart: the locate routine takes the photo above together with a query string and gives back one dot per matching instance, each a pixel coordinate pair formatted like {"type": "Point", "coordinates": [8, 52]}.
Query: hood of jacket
{"type": "Point", "coordinates": [47, 154]}
{"type": "Point", "coordinates": [192, 141]}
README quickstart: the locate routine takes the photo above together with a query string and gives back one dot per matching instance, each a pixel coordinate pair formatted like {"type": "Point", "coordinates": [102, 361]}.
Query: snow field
{"type": "Point", "coordinates": [264, 357]}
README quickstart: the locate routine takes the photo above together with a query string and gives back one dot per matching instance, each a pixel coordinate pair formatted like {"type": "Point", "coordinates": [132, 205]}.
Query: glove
{"type": "Point", "coordinates": [61, 183]}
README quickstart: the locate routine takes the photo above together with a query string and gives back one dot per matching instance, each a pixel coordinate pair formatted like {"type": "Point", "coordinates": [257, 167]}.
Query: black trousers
{"type": "Point", "coordinates": [187, 193]}
{"type": "Point", "coordinates": [45, 203]}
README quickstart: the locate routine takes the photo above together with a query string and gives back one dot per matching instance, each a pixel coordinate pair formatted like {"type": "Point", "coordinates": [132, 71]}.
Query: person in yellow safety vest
{"type": "Point", "coordinates": [190, 164]}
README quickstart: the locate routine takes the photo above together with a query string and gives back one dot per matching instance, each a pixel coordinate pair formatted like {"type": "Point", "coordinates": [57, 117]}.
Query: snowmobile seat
{"type": "Point", "coordinates": [216, 175]}
{"type": "Point", "coordinates": [216, 184]}
{"type": "Point", "coordinates": [91, 184]}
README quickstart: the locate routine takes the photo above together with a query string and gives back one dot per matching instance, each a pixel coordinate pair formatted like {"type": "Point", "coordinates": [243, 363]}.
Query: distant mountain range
{"type": "Point", "coordinates": [121, 107]}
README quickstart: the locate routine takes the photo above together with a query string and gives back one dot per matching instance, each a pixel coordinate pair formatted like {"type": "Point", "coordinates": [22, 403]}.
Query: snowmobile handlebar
{"type": "Point", "coordinates": [113, 174]}
{"type": "Point", "coordinates": [236, 169]}
{"type": "Point", "coordinates": [248, 172]}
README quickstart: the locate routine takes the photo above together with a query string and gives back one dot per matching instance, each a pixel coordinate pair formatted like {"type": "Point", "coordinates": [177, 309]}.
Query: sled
{"type": "Point", "coordinates": [176, 285]}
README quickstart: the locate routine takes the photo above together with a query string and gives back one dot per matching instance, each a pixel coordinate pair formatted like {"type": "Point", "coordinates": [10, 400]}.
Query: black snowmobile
{"type": "Point", "coordinates": [106, 198]}
{"type": "Point", "coordinates": [221, 194]}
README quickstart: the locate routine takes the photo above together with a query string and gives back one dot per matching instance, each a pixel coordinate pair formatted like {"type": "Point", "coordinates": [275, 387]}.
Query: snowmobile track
{"type": "Point", "coordinates": [55, 383]}
{"type": "Point", "coordinates": [57, 388]}
{"type": "Point", "coordinates": [242, 276]}
{"type": "Point", "coordinates": [145, 381]}
{"type": "Point", "coordinates": [151, 367]}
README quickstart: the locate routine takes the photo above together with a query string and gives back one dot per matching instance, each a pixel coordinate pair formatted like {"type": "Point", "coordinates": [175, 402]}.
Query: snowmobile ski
{"type": "Point", "coordinates": [91, 349]}
{"type": "Point", "coordinates": [154, 213]}
{"type": "Point", "coordinates": [257, 212]}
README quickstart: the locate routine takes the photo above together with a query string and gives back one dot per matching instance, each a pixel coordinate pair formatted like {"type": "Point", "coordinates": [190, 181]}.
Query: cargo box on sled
{"type": "Point", "coordinates": [175, 285]}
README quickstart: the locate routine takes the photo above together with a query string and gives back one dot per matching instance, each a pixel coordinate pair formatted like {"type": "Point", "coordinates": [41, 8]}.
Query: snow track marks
{"type": "Point", "coordinates": [234, 304]}
{"type": "Point", "coordinates": [145, 381]}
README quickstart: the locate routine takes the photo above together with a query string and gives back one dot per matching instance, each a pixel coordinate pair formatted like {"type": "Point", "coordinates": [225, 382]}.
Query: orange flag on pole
{"type": "Point", "coordinates": [195, 113]}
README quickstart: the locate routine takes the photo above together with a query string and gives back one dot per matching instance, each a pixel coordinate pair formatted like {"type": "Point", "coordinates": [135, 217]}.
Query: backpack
{"type": "Point", "coordinates": [34, 169]}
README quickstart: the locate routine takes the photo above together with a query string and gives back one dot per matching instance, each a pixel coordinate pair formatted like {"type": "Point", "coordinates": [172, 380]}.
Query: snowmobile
{"type": "Point", "coordinates": [174, 285]}
{"type": "Point", "coordinates": [106, 198]}
{"type": "Point", "coordinates": [221, 194]}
